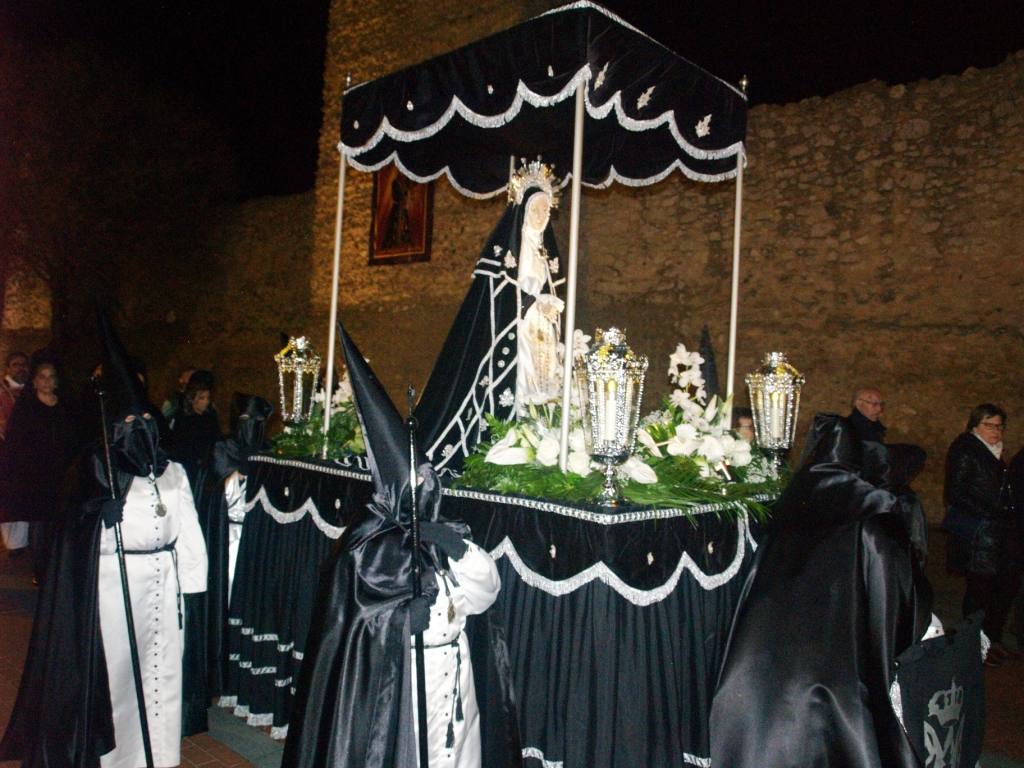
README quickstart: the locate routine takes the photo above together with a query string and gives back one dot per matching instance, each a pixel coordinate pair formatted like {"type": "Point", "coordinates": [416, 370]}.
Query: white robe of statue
{"type": "Point", "coordinates": [446, 657]}
{"type": "Point", "coordinates": [153, 584]}
{"type": "Point", "coordinates": [234, 495]}
{"type": "Point", "coordinates": [538, 370]}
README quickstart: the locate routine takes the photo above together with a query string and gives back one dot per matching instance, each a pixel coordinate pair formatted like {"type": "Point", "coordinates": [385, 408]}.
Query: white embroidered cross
{"type": "Point", "coordinates": [553, 265]}
{"type": "Point", "coordinates": [484, 381]}
{"type": "Point", "coordinates": [703, 127]}
{"type": "Point", "coordinates": [497, 251]}
{"type": "Point", "coordinates": [506, 398]}
{"type": "Point", "coordinates": [510, 260]}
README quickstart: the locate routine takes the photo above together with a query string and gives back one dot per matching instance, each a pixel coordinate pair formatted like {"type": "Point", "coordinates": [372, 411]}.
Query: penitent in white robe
{"type": "Point", "coordinates": [444, 643]}
{"type": "Point", "coordinates": [153, 583]}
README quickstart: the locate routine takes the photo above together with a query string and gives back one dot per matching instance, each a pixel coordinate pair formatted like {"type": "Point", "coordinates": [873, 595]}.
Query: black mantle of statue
{"type": "Point", "coordinates": [616, 623]}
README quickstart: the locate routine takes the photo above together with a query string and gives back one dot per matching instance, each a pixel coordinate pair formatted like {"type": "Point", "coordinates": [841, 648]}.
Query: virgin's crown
{"type": "Point", "coordinates": [533, 174]}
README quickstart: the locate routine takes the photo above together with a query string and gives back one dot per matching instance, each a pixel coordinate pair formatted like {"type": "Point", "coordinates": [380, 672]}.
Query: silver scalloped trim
{"type": "Point", "coordinates": [601, 572]}
{"type": "Point", "coordinates": [538, 754]}
{"type": "Point", "coordinates": [284, 518]}
{"type": "Point", "coordinates": [703, 762]}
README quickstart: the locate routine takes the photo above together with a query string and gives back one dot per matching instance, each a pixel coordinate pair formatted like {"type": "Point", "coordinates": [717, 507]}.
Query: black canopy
{"type": "Point", "coordinates": [464, 114]}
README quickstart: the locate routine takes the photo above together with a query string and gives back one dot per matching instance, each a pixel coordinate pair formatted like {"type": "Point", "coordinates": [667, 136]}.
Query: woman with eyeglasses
{"type": "Point", "coordinates": [984, 541]}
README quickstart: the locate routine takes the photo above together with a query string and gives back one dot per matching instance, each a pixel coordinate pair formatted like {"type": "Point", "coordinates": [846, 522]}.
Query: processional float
{"type": "Point", "coordinates": [577, 76]}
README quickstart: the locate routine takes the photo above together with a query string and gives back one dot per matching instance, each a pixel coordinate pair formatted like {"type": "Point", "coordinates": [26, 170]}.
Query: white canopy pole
{"type": "Point", "coordinates": [570, 292]}
{"type": "Point", "coordinates": [734, 299]}
{"type": "Point", "coordinates": [334, 297]}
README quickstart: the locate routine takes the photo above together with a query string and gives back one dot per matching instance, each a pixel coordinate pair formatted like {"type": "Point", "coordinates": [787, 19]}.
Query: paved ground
{"type": "Point", "coordinates": [232, 744]}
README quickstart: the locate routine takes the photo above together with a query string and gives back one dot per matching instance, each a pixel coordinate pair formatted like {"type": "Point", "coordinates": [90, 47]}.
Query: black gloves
{"type": "Point", "coordinates": [112, 512]}
{"type": "Point", "coordinates": [445, 538]}
{"type": "Point", "coordinates": [419, 614]}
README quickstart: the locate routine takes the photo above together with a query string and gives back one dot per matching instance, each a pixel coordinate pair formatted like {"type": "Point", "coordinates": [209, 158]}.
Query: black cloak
{"type": "Point", "coordinates": [835, 595]}
{"type": "Point", "coordinates": [478, 360]}
{"type": "Point", "coordinates": [249, 414]}
{"type": "Point", "coordinates": [62, 716]}
{"type": "Point", "coordinates": [353, 701]}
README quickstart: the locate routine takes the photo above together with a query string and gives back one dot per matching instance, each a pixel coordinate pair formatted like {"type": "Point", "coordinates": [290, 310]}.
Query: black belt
{"type": "Point", "coordinates": [169, 547]}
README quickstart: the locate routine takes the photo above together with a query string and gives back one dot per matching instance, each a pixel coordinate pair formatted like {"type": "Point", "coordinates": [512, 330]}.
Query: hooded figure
{"type": "Point", "coordinates": [835, 595]}
{"type": "Point", "coordinates": [77, 703]}
{"type": "Point", "coordinates": [502, 349]}
{"type": "Point", "coordinates": [223, 518]}
{"type": "Point", "coordinates": [354, 703]}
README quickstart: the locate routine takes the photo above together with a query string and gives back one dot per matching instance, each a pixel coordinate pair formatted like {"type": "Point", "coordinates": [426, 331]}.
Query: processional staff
{"type": "Point", "coordinates": [417, 589]}
{"type": "Point", "coordinates": [133, 645]}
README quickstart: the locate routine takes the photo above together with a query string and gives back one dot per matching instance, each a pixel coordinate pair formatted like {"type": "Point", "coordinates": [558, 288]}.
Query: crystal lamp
{"type": "Point", "coordinates": [775, 402]}
{"type": "Point", "coordinates": [298, 370]}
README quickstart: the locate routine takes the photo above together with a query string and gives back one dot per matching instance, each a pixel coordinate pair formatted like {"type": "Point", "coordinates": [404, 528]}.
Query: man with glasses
{"type": "Point", "coordinates": [868, 406]}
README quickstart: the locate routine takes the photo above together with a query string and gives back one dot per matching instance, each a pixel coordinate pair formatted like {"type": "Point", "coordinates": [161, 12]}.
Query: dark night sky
{"type": "Point", "coordinates": [255, 69]}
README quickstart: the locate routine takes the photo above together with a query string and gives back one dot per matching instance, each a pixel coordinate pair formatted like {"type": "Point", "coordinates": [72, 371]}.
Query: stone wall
{"type": "Point", "coordinates": [881, 241]}
{"type": "Point", "coordinates": [25, 324]}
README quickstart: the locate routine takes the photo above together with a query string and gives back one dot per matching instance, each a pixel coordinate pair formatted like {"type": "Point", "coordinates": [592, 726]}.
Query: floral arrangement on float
{"type": "Point", "coordinates": [680, 455]}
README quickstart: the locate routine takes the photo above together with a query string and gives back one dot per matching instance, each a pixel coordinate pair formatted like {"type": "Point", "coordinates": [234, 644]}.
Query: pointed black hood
{"type": "Point", "coordinates": [132, 426]}
{"type": "Point", "coordinates": [387, 441]}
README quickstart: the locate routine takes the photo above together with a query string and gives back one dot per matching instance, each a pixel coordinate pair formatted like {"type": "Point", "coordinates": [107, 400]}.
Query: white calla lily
{"type": "Point", "coordinates": [644, 438]}
{"type": "Point", "coordinates": [637, 470]}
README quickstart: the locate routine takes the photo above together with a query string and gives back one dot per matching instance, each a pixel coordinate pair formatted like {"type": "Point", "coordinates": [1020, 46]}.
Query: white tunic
{"type": "Point", "coordinates": [477, 589]}
{"type": "Point", "coordinates": [153, 585]}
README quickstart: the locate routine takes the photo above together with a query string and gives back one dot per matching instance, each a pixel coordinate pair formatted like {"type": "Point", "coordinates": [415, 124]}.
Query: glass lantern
{"type": "Point", "coordinates": [775, 402]}
{"type": "Point", "coordinates": [298, 370]}
{"type": "Point", "coordinates": [610, 380]}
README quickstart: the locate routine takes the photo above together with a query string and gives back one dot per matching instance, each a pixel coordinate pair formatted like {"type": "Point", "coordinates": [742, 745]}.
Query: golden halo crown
{"type": "Point", "coordinates": [533, 174]}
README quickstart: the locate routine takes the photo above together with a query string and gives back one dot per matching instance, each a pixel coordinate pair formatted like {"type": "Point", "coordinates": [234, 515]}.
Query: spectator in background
{"type": "Point", "coordinates": [15, 535]}
{"type": "Point", "coordinates": [194, 431]}
{"type": "Point", "coordinates": [175, 401]}
{"type": "Point", "coordinates": [984, 542]}
{"type": "Point", "coordinates": [1017, 483]}
{"type": "Point", "coordinates": [40, 444]}
{"type": "Point", "coordinates": [743, 423]}
{"type": "Point", "coordinates": [868, 406]}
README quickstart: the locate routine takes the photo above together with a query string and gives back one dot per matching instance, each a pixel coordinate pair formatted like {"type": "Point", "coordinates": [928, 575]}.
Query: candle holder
{"type": "Point", "coordinates": [775, 402]}
{"type": "Point", "coordinates": [610, 380]}
{"type": "Point", "coordinates": [297, 363]}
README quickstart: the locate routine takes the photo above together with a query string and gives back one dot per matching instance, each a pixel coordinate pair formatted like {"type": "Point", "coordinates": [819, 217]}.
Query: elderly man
{"type": "Point", "coordinates": [868, 406]}
{"type": "Point", "coordinates": [15, 535]}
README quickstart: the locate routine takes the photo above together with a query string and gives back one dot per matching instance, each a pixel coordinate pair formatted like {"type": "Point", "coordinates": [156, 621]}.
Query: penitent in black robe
{"type": "Point", "coordinates": [62, 716]}
{"type": "Point", "coordinates": [835, 595]}
{"type": "Point", "coordinates": [353, 702]}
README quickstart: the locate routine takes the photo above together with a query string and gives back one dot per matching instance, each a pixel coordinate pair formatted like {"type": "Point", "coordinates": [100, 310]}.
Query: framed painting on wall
{"type": "Point", "coordinates": [402, 218]}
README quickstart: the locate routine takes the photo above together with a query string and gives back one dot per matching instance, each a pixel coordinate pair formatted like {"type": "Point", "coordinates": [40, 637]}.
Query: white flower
{"type": "Point", "coordinates": [577, 440]}
{"type": "Point", "coordinates": [580, 343]}
{"type": "Point", "coordinates": [578, 463]}
{"type": "Point", "coordinates": [684, 442]}
{"type": "Point", "coordinates": [635, 469]}
{"type": "Point", "coordinates": [507, 451]}
{"type": "Point", "coordinates": [645, 439]}
{"type": "Point", "coordinates": [484, 381]}
{"type": "Point", "coordinates": [547, 452]}
{"type": "Point", "coordinates": [318, 396]}
{"type": "Point", "coordinates": [553, 265]}
{"type": "Point", "coordinates": [343, 393]}
{"type": "Point", "coordinates": [703, 127]}
{"type": "Point", "coordinates": [711, 448]}
{"type": "Point", "coordinates": [510, 260]}
{"type": "Point", "coordinates": [738, 453]}
{"type": "Point", "coordinates": [506, 398]}
{"type": "Point", "coordinates": [679, 398]}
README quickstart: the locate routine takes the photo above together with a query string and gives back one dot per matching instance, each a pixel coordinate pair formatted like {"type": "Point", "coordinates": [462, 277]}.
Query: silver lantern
{"type": "Point", "coordinates": [610, 381]}
{"type": "Point", "coordinates": [298, 370]}
{"type": "Point", "coordinates": [775, 403]}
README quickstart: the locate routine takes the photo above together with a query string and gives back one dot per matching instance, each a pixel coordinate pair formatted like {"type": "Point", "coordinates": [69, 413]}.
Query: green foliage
{"type": "Point", "coordinates": [680, 483]}
{"type": "Point", "coordinates": [344, 437]}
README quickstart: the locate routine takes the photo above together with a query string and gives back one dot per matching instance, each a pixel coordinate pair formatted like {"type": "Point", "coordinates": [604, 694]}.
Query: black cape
{"type": "Point", "coordinates": [62, 716]}
{"type": "Point", "coordinates": [835, 595]}
{"type": "Point", "coordinates": [353, 701]}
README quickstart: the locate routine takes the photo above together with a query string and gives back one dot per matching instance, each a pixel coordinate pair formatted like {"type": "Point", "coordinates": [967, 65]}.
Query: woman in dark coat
{"type": "Point", "coordinates": [195, 431]}
{"type": "Point", "coordinates": [41, 442]}
{"type": "Point", "coordinates": [984, 542]}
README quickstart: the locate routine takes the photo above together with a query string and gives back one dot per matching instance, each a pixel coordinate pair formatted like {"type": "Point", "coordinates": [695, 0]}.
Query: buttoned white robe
{"type": "Point", "coordinates": [154, 584]}
{"type": "Point", "coordinates": [477, 588]}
